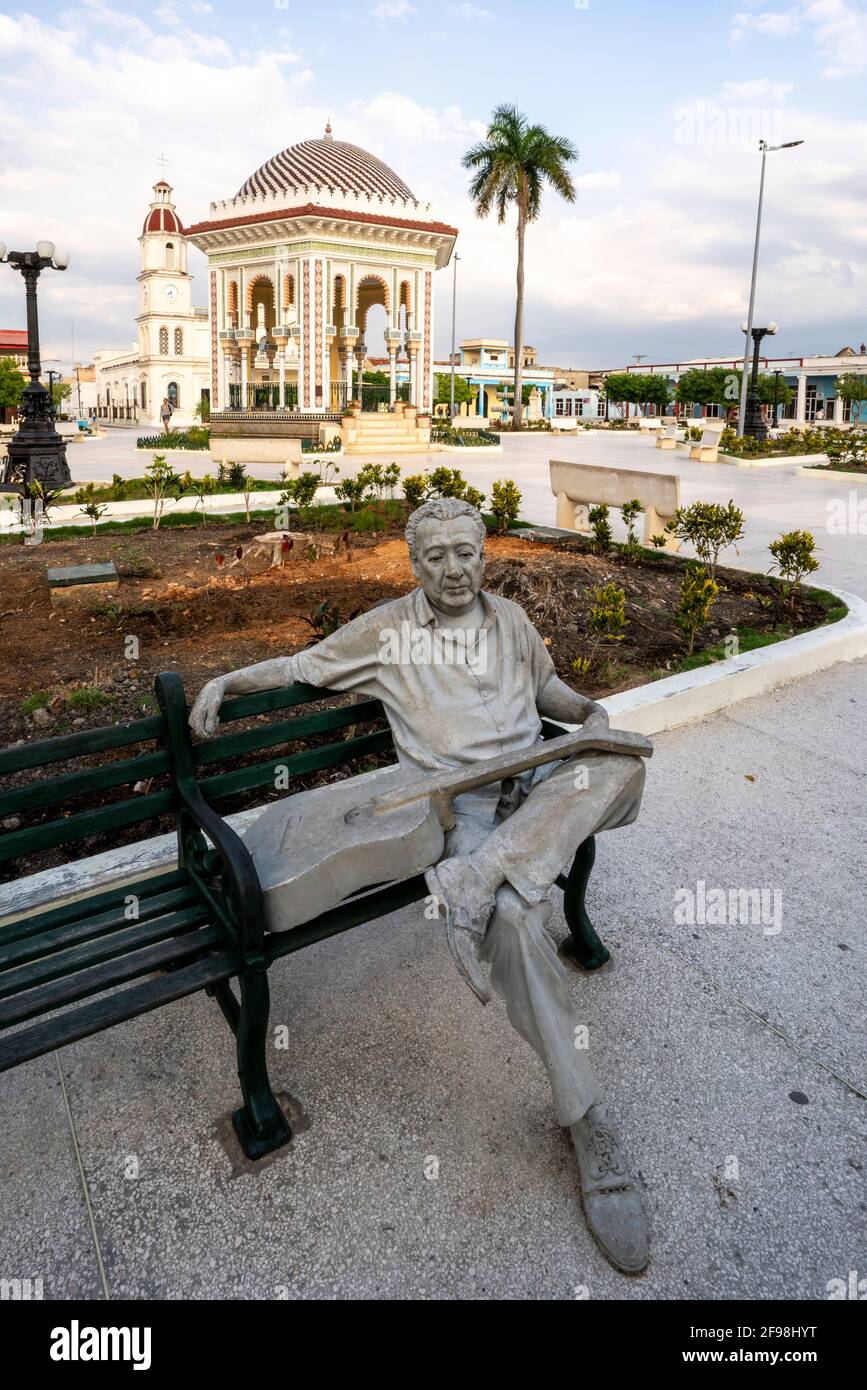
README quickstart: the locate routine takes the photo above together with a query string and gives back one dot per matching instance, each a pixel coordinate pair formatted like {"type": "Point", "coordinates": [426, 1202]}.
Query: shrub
{"type": "Point", "coordinates": [463, 438]}
{"type": "Point", "coordinates": [89, 505]}
{"type": "Point", "coordinates": [794, 557]}
{"type": "Point", "coordinates": [710, 528]}
{"type": "Point", "coordinates": [446, 482]}
{"type": "Point", "coordinates": [505, 502]}
{"type": "Point", "coordinates": [601, 527]}
{"type": "Point", "coordinates": [161, 482]}
{"type": "Point", "coordinates": [607, 616]}
{"type": "Point", "coordinates": [414, 489]}
{"type": "Point", "coordinates": [355, 491]}
{"type": "Point", "coordinates": [195, 437]}
{"type": "Point", "coordinates": [698, 594]}
{"type": "Point", "coordinates": [630, 512]}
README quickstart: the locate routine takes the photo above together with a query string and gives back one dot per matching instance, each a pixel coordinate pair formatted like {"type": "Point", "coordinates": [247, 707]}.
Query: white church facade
{"type": "Point", "coordinates": [171, 358]}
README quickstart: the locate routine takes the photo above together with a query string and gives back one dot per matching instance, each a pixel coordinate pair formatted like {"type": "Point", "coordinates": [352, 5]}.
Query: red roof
{"type": "Point", "coordinates": [13, 339]}
{"type": "Point", "coordinates": [313, 210]}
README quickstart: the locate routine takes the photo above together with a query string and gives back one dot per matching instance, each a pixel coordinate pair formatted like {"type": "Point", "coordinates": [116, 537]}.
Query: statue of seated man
{"type": "Point", "coordinates": [510, 840]}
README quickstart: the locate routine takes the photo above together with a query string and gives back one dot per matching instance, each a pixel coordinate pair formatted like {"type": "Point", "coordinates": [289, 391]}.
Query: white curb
{"type": "Point", "coordinates": [648, 709]}
{"type": "Point", "coordinates": [831, 473]}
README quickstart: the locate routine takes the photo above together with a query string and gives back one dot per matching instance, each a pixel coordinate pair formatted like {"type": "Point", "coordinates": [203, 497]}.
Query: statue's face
{"type": "Point", "coordinates": [449, 563]}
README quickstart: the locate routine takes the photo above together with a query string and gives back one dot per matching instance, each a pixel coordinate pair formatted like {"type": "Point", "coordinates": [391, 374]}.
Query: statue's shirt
{"type": "Point", "coordinates": [453, 696]}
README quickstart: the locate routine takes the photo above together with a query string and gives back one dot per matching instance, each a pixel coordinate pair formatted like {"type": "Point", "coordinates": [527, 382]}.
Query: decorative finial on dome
{"type": "Point", "coordinates": [328, 135]}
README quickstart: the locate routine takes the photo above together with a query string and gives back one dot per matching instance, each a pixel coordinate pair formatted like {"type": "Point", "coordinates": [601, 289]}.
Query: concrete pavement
{"type": "Point", "coordinates": [431, 1165]}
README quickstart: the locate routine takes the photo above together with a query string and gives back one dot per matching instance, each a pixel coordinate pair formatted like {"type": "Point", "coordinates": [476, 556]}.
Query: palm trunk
{"type": "Point", "coordinates": [519, 322]}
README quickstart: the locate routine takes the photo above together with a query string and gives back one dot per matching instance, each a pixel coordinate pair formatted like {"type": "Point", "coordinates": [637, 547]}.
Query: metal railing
{"type": "Point", "coordinates": [374, 396]}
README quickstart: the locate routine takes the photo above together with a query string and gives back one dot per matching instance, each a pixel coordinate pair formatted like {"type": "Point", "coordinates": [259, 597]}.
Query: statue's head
{"type": "Point", "coordinates": [446, 539]}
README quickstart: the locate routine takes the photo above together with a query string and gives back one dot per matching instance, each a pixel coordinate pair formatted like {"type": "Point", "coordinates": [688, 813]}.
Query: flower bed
{"type": "Point", "coordinates": [193, 438]}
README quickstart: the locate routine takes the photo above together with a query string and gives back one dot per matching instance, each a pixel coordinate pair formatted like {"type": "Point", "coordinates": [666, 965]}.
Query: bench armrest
{"type": "Point", "coordinates": [223, 871]}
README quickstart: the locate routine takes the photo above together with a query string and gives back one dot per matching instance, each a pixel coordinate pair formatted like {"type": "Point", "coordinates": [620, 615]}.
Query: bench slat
{"type": "Point", "coordinates": [108, 975]}
{"type": "Point", "coordinates": [115, 1008]}
{"type": "Point", "coordinates": [40, 752]}
{"type": "Point", "coordinates": [95, 902]}
{"type": "Point", "coordinates": [33, 945]}
{"type": "Point", "coordinates": [59, 832]}
{"type": "Point", "coordinates": [50, 790]}
{"type": "Point", "coordinates": [287, 731]}
{"type": "Point", "coordinates": [107, 947]}
{"type": "Point", "coordinates": [311, 760]}
{"type": "Point", "coordinates": [262, 701]}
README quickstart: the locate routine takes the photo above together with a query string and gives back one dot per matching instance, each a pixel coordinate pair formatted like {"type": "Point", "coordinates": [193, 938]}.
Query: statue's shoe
{"type": "Point", "coordinates": [609, 1194]}
{"type": "Point", "coordinates": [466, 905]}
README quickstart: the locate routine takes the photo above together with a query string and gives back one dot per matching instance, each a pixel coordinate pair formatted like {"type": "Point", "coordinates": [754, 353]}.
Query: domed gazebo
{"type": "Point", "coordinates": [310, 242]}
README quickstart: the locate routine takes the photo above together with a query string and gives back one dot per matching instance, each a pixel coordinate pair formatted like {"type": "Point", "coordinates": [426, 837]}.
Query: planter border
{"type": "Point", "coordinates": [805, 472]}
{"type": "Point", "coordinates": [649, 709]}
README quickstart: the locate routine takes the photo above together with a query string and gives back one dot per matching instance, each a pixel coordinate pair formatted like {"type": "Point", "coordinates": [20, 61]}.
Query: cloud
{"type": "Point", "coordinates": [837, 28]}
{"type": "Point", "coordinates": [393, 9]}
{"type": "Point", "coordinates": [655, 254]}
{"type": "Point", "coordinates": [470, 13]}
{"type": "Point", "coordinates": [602, 179]}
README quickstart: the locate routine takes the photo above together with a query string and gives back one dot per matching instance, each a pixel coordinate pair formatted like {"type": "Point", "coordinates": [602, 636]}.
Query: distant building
{"type": "Point", "coordinates": [813, 381]}
{"type": "Point", "coordinates": [82, 400]}
{"type": "Point", "coordinates": [13, 343]}
{"type": "Point", "coordinates": [172, 355]}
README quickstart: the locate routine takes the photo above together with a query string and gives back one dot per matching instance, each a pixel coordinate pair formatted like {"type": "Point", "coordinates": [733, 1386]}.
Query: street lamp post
{"type": "Point", "coordinates": [455, 259]}
{"type": "Point", "coordinates": [754, 423]}
{"type": "Point", "coordinates": [766, 149]}
{"type": "Point", "coordinates": [36, 453]}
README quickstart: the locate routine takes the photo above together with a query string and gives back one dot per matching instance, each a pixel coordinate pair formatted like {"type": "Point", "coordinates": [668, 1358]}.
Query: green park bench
{"type": "Point", "coordinates": [86, 964]}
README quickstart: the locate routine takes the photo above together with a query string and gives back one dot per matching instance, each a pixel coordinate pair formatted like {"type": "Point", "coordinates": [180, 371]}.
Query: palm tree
{"type": "Point", "coordinates": [511, 165]}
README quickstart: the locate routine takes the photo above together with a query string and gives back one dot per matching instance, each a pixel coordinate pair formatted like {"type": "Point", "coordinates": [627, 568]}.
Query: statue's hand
{"type": "Point", "coordinates": [596, 721]}
{"type": "Point", "coordinates": [203, 716]}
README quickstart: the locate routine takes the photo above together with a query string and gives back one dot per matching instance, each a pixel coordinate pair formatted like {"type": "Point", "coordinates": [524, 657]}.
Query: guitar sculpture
{"type": "Point", "coordinates": [318, 847]}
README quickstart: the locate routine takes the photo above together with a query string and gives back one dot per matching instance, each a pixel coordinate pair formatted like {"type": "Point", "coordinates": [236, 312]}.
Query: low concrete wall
{"type": "Point", "coordinates": [578, 486]}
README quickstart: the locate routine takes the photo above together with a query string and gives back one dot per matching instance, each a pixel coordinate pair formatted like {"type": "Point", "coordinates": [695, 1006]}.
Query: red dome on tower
{"type": "Point", "coordinates": [162, 216]}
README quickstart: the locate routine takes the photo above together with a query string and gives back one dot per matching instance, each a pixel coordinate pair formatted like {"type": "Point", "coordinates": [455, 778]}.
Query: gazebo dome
{"type": "Point", "coordinates": [329, 164]}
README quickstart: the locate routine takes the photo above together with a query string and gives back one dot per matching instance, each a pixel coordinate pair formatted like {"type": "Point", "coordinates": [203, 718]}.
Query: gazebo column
{"type": "Point", "coordinates": [392, 343]}
{"type": "Point", "coordinates": [413, 345]}
{"type": "Point", "coordinates": [348, 338]}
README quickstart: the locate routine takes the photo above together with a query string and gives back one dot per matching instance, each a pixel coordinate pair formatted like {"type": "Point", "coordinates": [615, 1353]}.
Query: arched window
{"type": "Point", "coordinates": [170, 255]}
{"type": "Point", "coordinates": [173, 394]}
{"type": "Point", "coordinates": [179, 342]}
{"type": "Point", "coordinates": [164, 342]}
{"type": "Point", "coordinates": [144, 394]}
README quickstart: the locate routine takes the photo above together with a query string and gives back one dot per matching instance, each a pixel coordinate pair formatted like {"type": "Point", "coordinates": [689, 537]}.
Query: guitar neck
{"type": "Point", "coordinates": [442, 787]}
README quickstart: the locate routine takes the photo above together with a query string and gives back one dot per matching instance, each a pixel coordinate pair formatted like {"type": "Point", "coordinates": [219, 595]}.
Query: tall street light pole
{"type": "Point", "coordinates": [455, 259]}
{"type": "Point", "coordinates": [36, 453]}
{"type": "Point", "coordinates": [766, 149]}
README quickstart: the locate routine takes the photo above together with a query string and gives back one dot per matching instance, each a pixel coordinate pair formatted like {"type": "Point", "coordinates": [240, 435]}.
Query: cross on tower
{"type": "Point", "coordinates": [163, 163]}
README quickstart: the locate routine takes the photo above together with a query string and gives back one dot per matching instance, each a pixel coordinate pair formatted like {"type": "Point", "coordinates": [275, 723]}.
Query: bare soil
{"type": "Point", "coordinates": [63, 669]}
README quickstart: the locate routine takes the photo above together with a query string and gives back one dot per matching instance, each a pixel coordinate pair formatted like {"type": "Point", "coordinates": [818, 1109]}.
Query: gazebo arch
{"type": "Point", "coordinates": [371, 289]}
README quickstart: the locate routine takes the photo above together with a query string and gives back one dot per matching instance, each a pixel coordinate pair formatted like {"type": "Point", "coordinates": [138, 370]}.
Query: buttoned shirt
{"type": "Point", "coordinates": [451, 700]}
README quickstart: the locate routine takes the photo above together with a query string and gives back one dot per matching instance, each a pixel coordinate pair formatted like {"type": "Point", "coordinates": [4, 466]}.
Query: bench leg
{"type": "Point", "coordinates": [583, 945]}
{"type": "Point", "coordinates": [260, 1124]}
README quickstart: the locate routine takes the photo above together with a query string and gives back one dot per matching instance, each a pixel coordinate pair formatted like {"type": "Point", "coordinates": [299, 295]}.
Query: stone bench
{"type": "Point", "coordinates": [579, 486]}
{"type": "Point", "coordinates": [667, 435]}
{"type": "Point", "coordinates": [706, 449]}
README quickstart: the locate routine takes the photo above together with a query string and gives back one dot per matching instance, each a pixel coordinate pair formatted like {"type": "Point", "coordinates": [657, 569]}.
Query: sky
{"type": "Point", "coordinates": [666, 101]}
